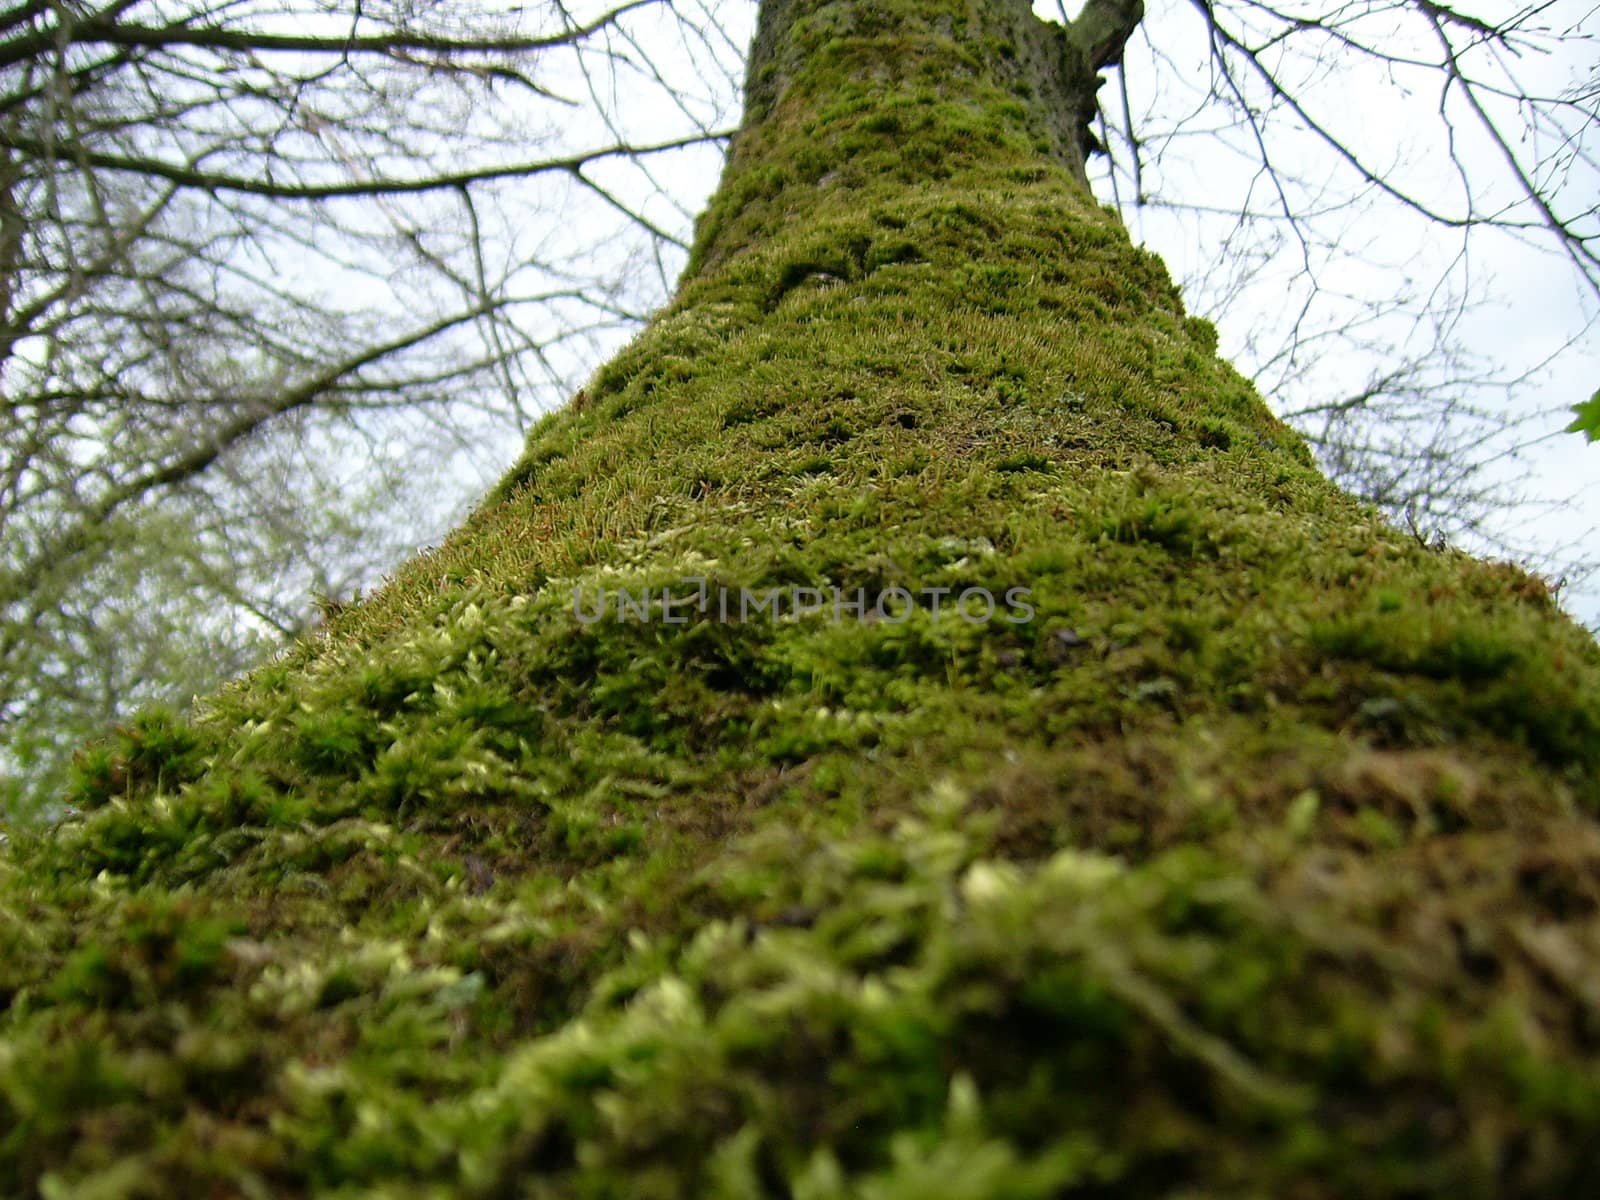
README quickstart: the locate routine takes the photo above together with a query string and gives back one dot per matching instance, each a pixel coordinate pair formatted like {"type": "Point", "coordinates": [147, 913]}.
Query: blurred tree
{"type": "Point", "coordinates": [271, 276]}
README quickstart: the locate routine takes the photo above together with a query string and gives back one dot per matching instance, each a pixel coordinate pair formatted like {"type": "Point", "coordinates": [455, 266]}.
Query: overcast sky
{"type": "Point", "coordinates": [1533, 315]}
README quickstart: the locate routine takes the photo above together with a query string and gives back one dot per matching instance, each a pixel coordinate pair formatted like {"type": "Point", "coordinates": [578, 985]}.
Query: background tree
{"type": "Point", "coordinates": [270, 279]}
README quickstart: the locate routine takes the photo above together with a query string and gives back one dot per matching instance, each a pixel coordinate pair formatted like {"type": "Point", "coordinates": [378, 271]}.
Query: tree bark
{"type": "Point", "coordinates": [1105, 805]}
{"type": "Point", "coordinates": [991, 52]}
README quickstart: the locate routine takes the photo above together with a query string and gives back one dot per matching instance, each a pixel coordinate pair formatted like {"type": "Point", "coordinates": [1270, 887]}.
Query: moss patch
{"type": "Point", "coordinates": [1257, 858]}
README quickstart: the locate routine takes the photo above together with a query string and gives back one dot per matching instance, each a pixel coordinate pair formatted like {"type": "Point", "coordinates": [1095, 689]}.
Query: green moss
{"type": "Point", "coordinates": [1261, 858]}
{"type": "Point", "coordinates": [155, 749]}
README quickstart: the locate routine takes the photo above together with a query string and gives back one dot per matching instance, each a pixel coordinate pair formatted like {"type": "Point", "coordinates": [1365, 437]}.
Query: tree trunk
{"type": "Point", "coordinates": [916, 726]}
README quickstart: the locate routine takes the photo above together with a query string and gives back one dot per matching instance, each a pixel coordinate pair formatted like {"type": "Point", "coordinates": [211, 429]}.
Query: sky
{"type": "Point", "coordinates": [1531, 318]}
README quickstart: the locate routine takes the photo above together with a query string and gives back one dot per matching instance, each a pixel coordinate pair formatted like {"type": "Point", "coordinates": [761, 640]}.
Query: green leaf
{"type": "Point", "coordinates": [1588, 422]}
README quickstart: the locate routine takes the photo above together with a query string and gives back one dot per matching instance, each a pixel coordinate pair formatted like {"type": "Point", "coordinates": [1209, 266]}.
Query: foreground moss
{"type": "Point", "coordinates": [1261, 860]}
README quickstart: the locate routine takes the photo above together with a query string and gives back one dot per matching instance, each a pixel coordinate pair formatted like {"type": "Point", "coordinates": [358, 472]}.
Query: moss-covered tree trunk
{"type": "Point", "coordinates": [1246, 847]}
